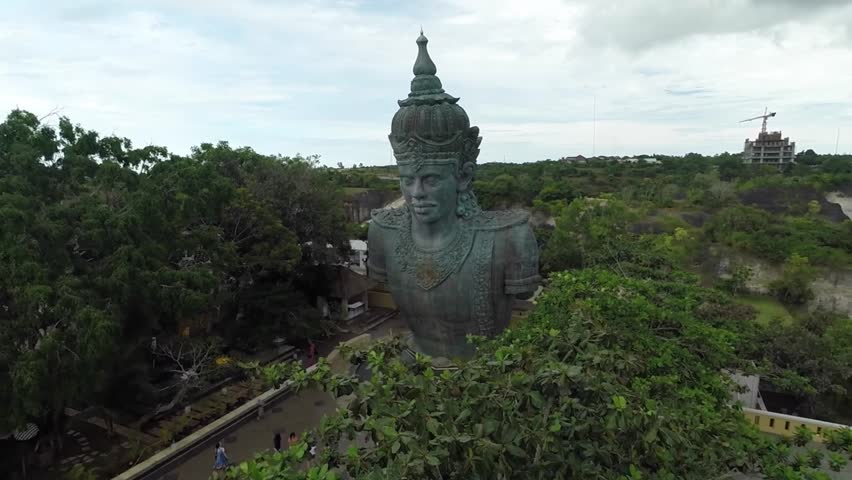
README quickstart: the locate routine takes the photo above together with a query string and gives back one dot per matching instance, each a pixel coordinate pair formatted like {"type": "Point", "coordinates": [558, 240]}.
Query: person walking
{"type": "Point", "coordinates": [221, 461]}
{"type": "Point", "coordinates": [276, 442]}
{"type": "Point", "coordinates": [312, 454]}
{"type": "Point", "coordinates": [312, 353]}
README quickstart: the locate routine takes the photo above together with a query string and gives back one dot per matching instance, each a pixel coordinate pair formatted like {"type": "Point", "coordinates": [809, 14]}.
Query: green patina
{"type": "Point", "coordinates": [452, 268]}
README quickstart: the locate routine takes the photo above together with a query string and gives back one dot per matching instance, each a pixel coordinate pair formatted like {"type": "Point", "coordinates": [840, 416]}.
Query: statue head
{"type": "Point", "coordinates": [435, 147]}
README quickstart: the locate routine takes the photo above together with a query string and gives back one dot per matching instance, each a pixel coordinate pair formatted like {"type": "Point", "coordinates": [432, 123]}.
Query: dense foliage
{"type": "Point", "coordinates": [617, 373]}
{"type": "Point", "coordinates": [776, 239]}
{"type": "Point", "coordinates": [103, 245]}
{"type": "Point", "coordinates": [801, 359]}
{"type": "Point", "coordinates": [610, 377]}
{"type": "Point", "coordinates": [701, 179]}
{"type": "Point", "coordinates": [810, 359]}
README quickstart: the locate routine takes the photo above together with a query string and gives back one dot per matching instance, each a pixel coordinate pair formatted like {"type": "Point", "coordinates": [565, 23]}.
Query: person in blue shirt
{"type": "Point", "coordinates": [221, 460]}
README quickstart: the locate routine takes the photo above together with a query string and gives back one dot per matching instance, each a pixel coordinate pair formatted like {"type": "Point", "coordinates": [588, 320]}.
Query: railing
{"type": "Point", "coordinates": [169, 457]}
{"type": "Point", "coordinates": [785, 425]}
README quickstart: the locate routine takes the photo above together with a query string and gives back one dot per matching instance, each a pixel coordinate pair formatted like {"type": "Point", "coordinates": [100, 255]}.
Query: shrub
{"type": "Point", "coordinates": [802, 435]}
{"type": "Point", "coordinates": [597, 383]}
{"type": "Point", "coordinates": [836, 461]}
{"type": "Point", "coordinates": [815, 457]}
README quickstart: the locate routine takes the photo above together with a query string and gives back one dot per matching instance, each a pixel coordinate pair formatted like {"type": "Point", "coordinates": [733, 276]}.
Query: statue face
{"type": "Point", "coordinates": [430, 192]}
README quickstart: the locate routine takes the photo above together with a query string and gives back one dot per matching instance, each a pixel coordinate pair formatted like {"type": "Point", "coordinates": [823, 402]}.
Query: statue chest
{"type": "Point", "coordinates": [450, 291]}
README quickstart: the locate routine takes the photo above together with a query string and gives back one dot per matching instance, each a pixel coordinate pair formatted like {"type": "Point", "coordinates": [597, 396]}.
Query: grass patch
{"type": "Point", "coordinates": [767, 308]}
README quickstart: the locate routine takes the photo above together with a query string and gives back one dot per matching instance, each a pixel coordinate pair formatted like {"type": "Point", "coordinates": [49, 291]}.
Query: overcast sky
{"type": "Point", "coordinates": [323, 77]}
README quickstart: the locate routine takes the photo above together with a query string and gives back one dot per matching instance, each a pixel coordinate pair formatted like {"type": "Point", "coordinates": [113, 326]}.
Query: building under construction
{"type": "Point", "coordinates": [769, 148]}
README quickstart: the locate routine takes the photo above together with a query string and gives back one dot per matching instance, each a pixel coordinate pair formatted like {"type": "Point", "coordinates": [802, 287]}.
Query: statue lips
{"type": "Point", "coordinates": [422, 208]}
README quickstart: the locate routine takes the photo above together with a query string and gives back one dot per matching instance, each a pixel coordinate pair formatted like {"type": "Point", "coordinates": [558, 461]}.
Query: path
{"type": "Point", "coordinates": [296, 413]}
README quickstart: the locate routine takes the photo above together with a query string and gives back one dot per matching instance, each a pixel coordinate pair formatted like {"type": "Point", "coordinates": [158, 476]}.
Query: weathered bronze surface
{"type": "Point", "coordinates": [452, 268]}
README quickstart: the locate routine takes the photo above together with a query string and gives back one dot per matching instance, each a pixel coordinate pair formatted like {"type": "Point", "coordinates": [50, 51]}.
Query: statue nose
{"type": "Point", "coordinates": [417, 190]}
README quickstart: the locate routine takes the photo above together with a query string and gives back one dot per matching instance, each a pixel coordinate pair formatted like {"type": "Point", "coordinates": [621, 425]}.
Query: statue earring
{"type": "Point", "coordinates": [461, 207]}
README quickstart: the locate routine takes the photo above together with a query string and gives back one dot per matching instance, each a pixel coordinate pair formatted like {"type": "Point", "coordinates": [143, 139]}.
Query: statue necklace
{"type": "Point", "coordinates": [431, 268]}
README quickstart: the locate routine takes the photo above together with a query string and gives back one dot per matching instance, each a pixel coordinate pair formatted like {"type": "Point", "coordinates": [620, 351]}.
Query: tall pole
{"type": "Point", "coordinates": [594, 121]}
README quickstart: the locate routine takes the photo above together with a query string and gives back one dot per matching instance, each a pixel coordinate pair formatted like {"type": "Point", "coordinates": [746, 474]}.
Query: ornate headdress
{"type": "Point", "coordinates": [430, 127]}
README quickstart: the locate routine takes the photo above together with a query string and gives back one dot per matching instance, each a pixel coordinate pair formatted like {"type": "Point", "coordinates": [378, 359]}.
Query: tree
{"type": "Point", "coordinates": [57, 331]}
{"type": "Point", "coordinates": [597, 383]}
{"type": "Point", "coordinates": [556, 191]}
{"type": "Point", "coordinates": [503, 191]}
{"type": "Point", "coordinates": [814, 208]}
{"type": "Point", "coordinates": [738, 281]}
{"type": "Point", "coordinates": [794, 286]}
{"type": "Point", "coordinates": [709, 190]}
{"type": "Point", "coordinates": [730, 166]}
{"type": "Point", "coordinates": [591, 231]}
{"type": "Point", "coordinates": [103, 244]}
{"type": "Point", "coordinates": [679, 245]}
{"type": "Point", "coordinates": [188, 360]}
{"type": "Point", "coordinates": [808, 359]}
{"type": "Point", "coordinates": [808, 157]}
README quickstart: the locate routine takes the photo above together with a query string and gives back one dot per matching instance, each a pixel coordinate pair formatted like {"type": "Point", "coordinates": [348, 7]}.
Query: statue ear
{"type": "Point", "coordinates": [466, 176]}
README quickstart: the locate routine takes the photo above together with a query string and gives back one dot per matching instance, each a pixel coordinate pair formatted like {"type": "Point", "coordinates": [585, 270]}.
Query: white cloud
{"type": "Point", "coordinates": [665, 76]}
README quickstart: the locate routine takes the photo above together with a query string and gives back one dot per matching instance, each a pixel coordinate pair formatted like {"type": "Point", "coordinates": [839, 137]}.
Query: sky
{"type": "Point", "coordinates": [541, 78]}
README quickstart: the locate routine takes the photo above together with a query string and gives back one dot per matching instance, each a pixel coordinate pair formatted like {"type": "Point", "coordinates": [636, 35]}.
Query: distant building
{"type": "Point", "coordinates": [358, 256]}
{"type": "Point", "coordinates": [638, 160]}
{"type": "Point", "coordinates": [343, 293]}
{"type": "Point", "coordinates": [577, 159]}
{"type": "Point", "coordinates": [769, 149]}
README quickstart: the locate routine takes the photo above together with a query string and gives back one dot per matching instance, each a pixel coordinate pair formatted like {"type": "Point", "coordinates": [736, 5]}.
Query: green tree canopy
{"type": "Point", "coordinates": [608, 378]}
{"type": "Point", "coordinates": [103, 245]}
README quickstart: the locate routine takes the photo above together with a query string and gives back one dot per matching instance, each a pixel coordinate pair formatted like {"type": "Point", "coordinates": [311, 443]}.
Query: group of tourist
{"type": "Point", "coordinates": [221, 461]}
{"type": "Point", "coordinates": [276, 440]}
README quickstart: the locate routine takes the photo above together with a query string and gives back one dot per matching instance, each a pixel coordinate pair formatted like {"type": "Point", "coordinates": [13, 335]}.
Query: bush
{"type": "Point", "coordinates": [738, 281]}
{"type": "Point", "coordinates": [794, 286]}
{"type": "Point", "coordinates": [815, 457]}
{"type": "Point", "coordinates": [81, 472]}
{"type": "Point", "coordinates": [837, 440]}
{"type": "Point", "coordinates": [802, 436]}
{"type": "Point", "coordinates": [597, 383]}
{"type": "Point", "coordinates": [836, 461]}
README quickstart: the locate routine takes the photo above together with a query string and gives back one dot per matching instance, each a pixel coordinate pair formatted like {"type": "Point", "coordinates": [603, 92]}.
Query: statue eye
{"type": "Point", "coordinates": [407, 180]}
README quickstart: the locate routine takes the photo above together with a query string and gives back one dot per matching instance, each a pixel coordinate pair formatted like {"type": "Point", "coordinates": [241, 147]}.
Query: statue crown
{"type": "Point", "coordinates": [430, 127]}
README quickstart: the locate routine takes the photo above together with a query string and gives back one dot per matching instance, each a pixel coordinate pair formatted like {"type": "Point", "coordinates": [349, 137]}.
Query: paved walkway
{"type": "Point", "coordinates": [296, 413]}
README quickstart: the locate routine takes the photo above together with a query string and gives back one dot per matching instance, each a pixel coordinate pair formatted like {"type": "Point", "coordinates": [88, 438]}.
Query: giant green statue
{"type": "Point", "coordinates": [452, 269]}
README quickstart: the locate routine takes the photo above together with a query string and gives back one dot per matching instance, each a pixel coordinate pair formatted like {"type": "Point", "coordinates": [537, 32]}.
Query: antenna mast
{"type": "Point", "coordinates": [594, 121]}
{"type": "Point", "coordinates": [837, 141]}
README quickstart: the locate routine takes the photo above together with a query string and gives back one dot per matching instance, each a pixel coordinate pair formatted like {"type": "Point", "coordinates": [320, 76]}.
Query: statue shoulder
{"type": "Point", "coordinates": [390, 217]}
{"type": "Point", "coordinates": [500, 219]}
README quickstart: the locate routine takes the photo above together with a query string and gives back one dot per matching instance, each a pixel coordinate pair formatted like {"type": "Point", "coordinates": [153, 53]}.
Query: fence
{"type": "Point", "coordinates": [785, 425]}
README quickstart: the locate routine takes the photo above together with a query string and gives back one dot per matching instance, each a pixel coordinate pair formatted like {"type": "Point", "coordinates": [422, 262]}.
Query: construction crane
{"type": "Point", "coordinates": [764, 117]}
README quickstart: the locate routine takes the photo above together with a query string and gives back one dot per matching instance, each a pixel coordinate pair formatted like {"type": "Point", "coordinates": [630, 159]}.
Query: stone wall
{"type": "Point", "coordinates": [791, 201]}
{"type": "Point", "coordinates": [833, 288]}
{"type": "Point", "coordinates": [841, 199]}
{"type": "Point", "coordinates": [359, 205]}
